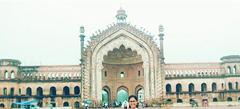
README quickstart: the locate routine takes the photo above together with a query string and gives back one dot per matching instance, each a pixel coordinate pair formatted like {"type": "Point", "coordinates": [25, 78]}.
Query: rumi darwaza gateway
{"type": "Point", "coordinates": [119, 61]}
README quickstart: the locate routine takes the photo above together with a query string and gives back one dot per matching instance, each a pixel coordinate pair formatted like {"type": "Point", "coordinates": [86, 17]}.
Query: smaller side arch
{"type": "Point", "coordinates": [229, 99]}
{"type": "Point", "coordinates": [122, 94]}
{"type": "Point", "coordinates": [106, 94]}
{"type": "Point", "coordinates": [139, 92]}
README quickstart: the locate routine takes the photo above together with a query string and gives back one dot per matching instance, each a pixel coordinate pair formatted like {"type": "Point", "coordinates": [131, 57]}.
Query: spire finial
{"type": "Point", "coordinates": [121, 16]}
{"type": "Point", "coordinates": [82, 30]}
{"type": "Point", "coordinates": [161, 34]}
{"type": "Point", "coordinates": [161, 29]}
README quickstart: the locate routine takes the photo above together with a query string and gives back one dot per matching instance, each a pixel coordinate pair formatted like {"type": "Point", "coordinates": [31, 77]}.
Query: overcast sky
{"type": "Point", "coordinates": [45, 32]}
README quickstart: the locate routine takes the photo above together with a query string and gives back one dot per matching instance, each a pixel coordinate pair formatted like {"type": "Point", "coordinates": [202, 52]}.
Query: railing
{"type": "Point", "coordinates": [199, 92]}
{"type": "Point", "coordinates": [202, 76]}
{"type": "Point", "coordinates": [39, 96]}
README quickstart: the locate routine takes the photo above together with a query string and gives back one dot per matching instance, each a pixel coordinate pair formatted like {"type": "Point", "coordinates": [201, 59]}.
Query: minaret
{"type": "Point", "coordinates": [82, 36]}
{"type": "Point", "coordinates": [161, 34]}
{"type": "Point", "coordinates": [121, 16]}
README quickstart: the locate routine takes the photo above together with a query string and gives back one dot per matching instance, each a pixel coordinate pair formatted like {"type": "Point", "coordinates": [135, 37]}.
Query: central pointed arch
{"type": "Point", "coordinates": [129, 37]}
{"type": "Point", "coordinates": [129, 41]}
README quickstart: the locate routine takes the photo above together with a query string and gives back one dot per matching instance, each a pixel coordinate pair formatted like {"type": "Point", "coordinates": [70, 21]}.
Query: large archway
{"type": "Point", "coordinates": [119, 45]}
{"type": "Point", "coordinates": [128, 37]}
{"type": "Point", "coordinates": [122, 67]}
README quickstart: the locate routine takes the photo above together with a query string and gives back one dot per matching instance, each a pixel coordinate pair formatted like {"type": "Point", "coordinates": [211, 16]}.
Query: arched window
{"type": "Point", "coordinates": [39, 91]}
{"type": "Point", "coordinates": [77, 104]}
{"type": "Point", "coordinates": [229, 99]}
{"type": "Point", "coordinates": [12, 75]}
{"type": "Point", "coordinates": [168, 88]}
{"type": "Point", "coordinates": [122, 75]}
{"type": "Point", "coordinates": [235, 69]}
{"type": "Point", "coordinates": [179, 101]}
{"type": "Point", "coordinates": [215, 100]}
{"type": "Point", "coordinates": [105, 73]}
{"type": "Point", "coordinates": [76, 90]}
{"type": "Point", "coordinates": [190, 88]}
{"type": "Point", "coordinates": [169, 100]}
{"type": "Point", "coordinates": [19, 91]}
{"type": "Point", "coordinates": [178, 88]}
{"type": "Point", "coordinates": [236, 85]}
{"type": "Point", "coordinates": [65, 104]}
{"type": "Point", "coordinates": [229, 70]}
{"type": "Point", "coordinates": [140, 94]}
{"type": "Point", "coordinates": [6, 75]}
{"type": "Point", "coordinates": [29, 91]}
{"type": "Point", "coordinates": [12, 91]}
{"type": "Point", "coordinates": [4, 91]}
{"type": "Point", "coordinates": [2, 105]}
{"type": "Point", "coordinates": [14, 106]}
{"type": "Point", "coordinates": [66, 90]}
{"type": "Point", "coordinates": [53, 91]}
{"type": "Point", "coordinates": [230, 87]}
{"type": "Point", "coordinates": [214, 87]}
{"type": "Point", "coordinates": [139, 73]}
{"type": "Point", "coordinates": [203, 87]}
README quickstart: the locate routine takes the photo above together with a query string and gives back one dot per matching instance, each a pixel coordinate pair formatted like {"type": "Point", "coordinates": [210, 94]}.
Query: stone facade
{"type": "Point", "coordinates": [212, 82]}
{"type": "Point", "coordinates": [122, 57]}
{"type": "Point", "coordinates": [55, 85]}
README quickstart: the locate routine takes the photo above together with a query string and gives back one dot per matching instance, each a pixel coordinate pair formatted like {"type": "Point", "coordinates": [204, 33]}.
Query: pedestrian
{"type": "Point", "coordinates": [133, 102]}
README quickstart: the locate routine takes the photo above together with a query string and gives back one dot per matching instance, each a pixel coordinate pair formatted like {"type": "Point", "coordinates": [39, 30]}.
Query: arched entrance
{"type": "Point", "coordinates": [142, 51]}
{"type": "Point", "coordinates": [122, 94]}
{"type": "Point", "coordinates": [229, 99]}
{"type": "Point", "coordinates": [215, 99]}
{"type": "Point", "coordinates": [140, 93]}
{"type": "Point", "coordinates": [122, 67]}
{"type": "Point", "coordinates": [106, 95]}
{"type": "Point", "coordinates": [2, 105]}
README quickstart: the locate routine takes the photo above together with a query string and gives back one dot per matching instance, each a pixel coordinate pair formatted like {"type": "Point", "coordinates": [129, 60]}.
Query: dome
{"type": "Point", "coordinates": [9, 62]}
{"type": "Point", "coordinates": [121, 16]}
{"type": "Point", "coordinates": [231, 58]}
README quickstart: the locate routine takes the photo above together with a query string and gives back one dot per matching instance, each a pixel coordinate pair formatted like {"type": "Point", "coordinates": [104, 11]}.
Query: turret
{"type": "Point", "coordinates": [82, 36]}
{"type": "Point", "coordinates": [231, 64]}
{"type": "Point", "coordinates": [9, 69]}
{"type": "Point", "coordinates": [121, 16]}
